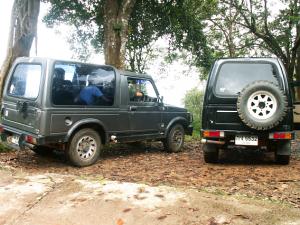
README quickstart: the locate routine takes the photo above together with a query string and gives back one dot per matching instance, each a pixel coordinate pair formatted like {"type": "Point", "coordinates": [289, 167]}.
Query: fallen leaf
{"type": "Point", "coordinates": [242, 216]}
{"type": "Point", "coordinates": [162, 217]}
{"type": "Point", "coordinates": [120, 222]}
{"type": "Point", "coordinates": [127, 210]}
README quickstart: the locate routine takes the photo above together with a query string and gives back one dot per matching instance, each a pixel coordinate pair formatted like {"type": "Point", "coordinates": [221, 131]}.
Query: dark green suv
{"type": "Point", "coordinates": [77, 107]}
{"type": "Point", "coordinates": [248, 103]}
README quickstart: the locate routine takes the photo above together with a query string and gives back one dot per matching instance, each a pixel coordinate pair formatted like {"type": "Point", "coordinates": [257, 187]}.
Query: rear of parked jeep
{"type": "Point", "coordinates": [247, 104]}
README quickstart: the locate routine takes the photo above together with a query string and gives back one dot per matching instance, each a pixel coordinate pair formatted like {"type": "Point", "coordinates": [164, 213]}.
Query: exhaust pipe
{"type": "Point", "coordinates": [204, 141]}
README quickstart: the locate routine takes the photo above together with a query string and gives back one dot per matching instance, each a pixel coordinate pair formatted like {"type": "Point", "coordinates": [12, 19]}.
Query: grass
{"type": "Point", "coordinates": [4, 147]}
{"type": "Point", "coordinates": [195, 136]}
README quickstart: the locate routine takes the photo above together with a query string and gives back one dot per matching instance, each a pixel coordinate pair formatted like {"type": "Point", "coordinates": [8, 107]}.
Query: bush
{"type": "Point", "coordinates": [4, 148]}
{"type": "Point", "coordinates": [193, 101]}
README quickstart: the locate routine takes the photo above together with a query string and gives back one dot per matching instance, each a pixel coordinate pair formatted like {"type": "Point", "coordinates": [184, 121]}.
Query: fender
{"type": "Point", "coordinates": [175, 120]}
{"type": "Point", "coordinates": [83, 122]}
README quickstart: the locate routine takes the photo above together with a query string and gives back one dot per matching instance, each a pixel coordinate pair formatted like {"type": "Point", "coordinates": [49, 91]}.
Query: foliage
{"type": "Point", "coordinates": [226, 35]}
{"type": "Point", "coordinates": [187, 29]}
{"type": "Point", "coordinates": [180, 20]}
{"type": "Point", "coordinates": [277, 33]}
{"type": "Point", "coordinates": [193, 101]}
{"type": "Point", "coordinates": [4, 148]}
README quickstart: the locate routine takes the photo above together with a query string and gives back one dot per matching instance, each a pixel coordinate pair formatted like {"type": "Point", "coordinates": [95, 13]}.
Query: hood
{"type": "Point", "coordinates": [171, 108]}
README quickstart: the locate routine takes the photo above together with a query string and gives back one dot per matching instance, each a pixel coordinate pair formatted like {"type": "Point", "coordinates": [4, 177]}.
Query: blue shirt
{"type": "Point", "coordinates": [89, 93]}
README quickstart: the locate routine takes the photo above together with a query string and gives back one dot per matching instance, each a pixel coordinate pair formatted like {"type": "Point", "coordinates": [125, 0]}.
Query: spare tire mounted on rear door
{"type": "Point", "coordinates": [261, 105]}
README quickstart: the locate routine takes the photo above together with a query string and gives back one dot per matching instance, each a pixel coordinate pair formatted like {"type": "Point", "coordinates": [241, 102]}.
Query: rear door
{"type": "Point", "coordinates": [226, 82]}
{"type": "Point", "coordinates": [20, 101]}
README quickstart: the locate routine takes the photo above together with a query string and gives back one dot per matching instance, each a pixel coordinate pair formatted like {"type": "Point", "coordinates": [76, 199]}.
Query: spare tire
{"type": "Point", "coordinates": [261, 105]}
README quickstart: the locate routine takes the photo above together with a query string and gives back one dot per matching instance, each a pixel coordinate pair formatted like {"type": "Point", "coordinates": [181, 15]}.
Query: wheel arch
{"type": "Point", "coordinates": [177, 120]}
{"type": "Point", "coordinates": [95, 124]}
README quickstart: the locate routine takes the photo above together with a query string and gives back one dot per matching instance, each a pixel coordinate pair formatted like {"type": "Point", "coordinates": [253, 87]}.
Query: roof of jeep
{"type": "Point", "coordinates": [39, 59]}
{"type": "Point", "coordinates": [128, 73]}
{"type": "Point", "coordinates": [247, 59]}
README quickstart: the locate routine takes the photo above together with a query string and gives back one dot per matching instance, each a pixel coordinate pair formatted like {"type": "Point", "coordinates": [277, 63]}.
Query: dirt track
{"type": "Point", "coordinates": [254, 175]}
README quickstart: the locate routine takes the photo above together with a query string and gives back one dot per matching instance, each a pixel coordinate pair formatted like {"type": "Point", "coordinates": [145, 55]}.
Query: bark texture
{"type": "Point", "coordinates": [23, 29]}
{"type": "Point", "coordinates": [116, 17]}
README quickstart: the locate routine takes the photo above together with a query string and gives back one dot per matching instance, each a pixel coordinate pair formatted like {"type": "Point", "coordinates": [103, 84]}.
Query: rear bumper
{"type": "Point", "coordinates": [228, 136]}
{"type": "Point", "coordinates": [8, 132]}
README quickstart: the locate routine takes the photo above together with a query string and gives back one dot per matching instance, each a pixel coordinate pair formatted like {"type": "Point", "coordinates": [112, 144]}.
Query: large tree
{"type": "Point", "coordinates": [23, 30]}
{"type": "Point", "coordinates": [103, 22]}
{"type": "Point", "coordinates": [145, 21]}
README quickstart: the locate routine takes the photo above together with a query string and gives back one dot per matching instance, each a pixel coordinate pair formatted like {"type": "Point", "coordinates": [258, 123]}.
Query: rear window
{"type": "Point", "coordinates": [83, 84]}
{"type": "Point", "coordinates": [25, 81]}
{"type": "Point", "coordinates": [233, 77]}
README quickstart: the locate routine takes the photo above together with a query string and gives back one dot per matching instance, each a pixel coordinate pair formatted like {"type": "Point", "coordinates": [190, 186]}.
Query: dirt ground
{"type": "Point", "coordinates": [56, 199]}
{"type": "Point", "coordinates": [239, 173]}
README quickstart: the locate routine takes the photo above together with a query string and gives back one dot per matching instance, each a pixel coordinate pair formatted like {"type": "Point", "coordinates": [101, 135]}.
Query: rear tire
{"type": "Point", "coordinates": [84, 148]}
{"type": "Point", "coordinates": [175, 139]}
{"type": "Point", "coordinates": [282, 159]}
{"type": "Point", "coordinates": [283, 152]}
{"type": "Point", "coordinates": [210, 153]}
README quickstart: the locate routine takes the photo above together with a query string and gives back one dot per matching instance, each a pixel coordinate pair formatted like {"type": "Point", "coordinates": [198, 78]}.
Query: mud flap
{"type": "Point", "coordinates": [284, 148]}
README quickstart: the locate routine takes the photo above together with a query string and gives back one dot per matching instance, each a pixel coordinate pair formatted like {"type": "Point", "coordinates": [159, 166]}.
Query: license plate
{"type": "Point", "coordinates": [246, 140]}
{"type": "Point", "coordinates": [14, 139]}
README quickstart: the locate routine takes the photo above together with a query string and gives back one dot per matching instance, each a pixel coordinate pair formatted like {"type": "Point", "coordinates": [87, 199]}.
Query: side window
{"type": "Point", "coordinates": [141, 90]}
{"type": "Point", "coordinates": [82, 84]}
{"type": "Point", "coordinates": [25, 81]}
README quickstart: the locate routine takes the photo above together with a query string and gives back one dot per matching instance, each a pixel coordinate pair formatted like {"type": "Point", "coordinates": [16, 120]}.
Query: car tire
{"type": "Point", "coordinates": [210, 153]}
{"type": "Point", "coordinates": [175, 139]}
{"type": "Point", "coordinates": [84, 148]}
{"type": "Point", "coordinates": [262, 105]}
{"type": "Point", "coordinates": [283, 159]}
{"type": "Point", "coordinates": [42, 150]}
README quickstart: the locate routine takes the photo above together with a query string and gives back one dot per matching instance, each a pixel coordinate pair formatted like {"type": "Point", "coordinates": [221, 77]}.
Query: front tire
{"type": "Point", "coordinates": [84, 148]}
{"type": "Point", "coordinates": [175, 139]}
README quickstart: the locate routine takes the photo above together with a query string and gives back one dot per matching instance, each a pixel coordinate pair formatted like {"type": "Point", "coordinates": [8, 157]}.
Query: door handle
{"type": "Point", "coordinates": [132, 108]}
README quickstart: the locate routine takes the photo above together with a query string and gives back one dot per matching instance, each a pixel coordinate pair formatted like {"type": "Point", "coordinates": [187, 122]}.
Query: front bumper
{"type": "Point", "coordinates": [189, 130]}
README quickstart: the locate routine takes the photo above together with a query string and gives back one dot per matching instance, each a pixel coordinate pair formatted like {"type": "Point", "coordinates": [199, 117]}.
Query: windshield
{"type": "Point", "coordinates": [233, 77]}
{"type": "Point", "coordinates": [25, 81]}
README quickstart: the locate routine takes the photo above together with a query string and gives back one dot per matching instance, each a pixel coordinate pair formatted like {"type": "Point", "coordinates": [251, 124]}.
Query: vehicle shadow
{"type": "Point", "coordinates": [58, 158]}
{"type": "Point", "coordinates": [246, 157]}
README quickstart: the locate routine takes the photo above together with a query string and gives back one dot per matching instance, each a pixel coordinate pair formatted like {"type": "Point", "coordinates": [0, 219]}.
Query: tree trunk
{"type": "Point", "coordinates": [116, 17]}
{"type": "Point", "coordinates": [23, 29]}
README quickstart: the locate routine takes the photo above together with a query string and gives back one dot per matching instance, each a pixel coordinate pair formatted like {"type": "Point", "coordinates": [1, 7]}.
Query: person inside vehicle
{"type": "Point", "coordinates": [135, 94]}
{"type": "Point", "coordinates": [91, 94]}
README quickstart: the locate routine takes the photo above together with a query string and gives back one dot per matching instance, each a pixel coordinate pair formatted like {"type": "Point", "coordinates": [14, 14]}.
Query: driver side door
{"type": "Point", "coordinates": [144, 111]}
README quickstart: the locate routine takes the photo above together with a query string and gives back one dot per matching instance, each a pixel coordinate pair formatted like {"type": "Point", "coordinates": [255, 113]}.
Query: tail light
{"type": "Point", "coordinates": [1, 129]}
{"type": "Point", "coordinates": [30, 139]}
{"type": "Point", "coordinates": [281, 135]}
{"type": "Point", "coordinates": [213, 134]}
